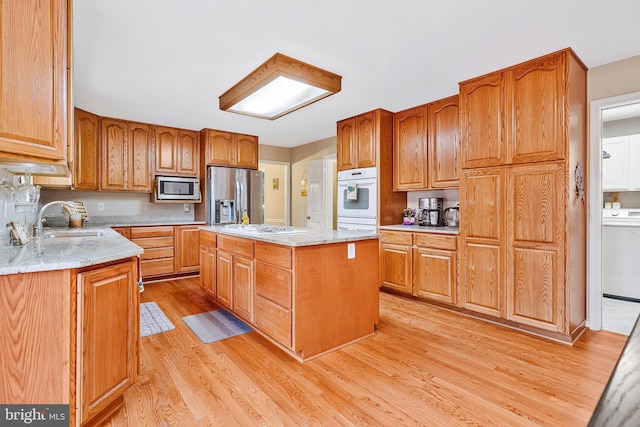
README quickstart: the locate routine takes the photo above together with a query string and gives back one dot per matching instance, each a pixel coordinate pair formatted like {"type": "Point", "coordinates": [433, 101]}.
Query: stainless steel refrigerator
{"type": "Point", "coordinates": [231, 191]}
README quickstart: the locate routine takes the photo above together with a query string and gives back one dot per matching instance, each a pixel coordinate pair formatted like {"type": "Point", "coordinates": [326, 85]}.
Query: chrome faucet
{"type": "Point", "coordinates": [38, 225]}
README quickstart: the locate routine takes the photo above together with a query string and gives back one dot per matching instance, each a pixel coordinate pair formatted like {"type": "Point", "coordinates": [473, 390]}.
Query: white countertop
{"type": "Point", "coordinates": [66, 252]}
{"type": "Point", "coordinates": [420, 229]}
{"type": "Point", "coordinates": [306, 238]}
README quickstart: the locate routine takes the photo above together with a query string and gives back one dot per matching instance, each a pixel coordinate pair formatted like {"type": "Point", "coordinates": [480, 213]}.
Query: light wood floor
{"type": "Point", "coordinates": [425, 366]}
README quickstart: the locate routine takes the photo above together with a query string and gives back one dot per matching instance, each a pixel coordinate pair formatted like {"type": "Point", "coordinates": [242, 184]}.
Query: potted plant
{"type": "Point", "coordinates": [408, 216]}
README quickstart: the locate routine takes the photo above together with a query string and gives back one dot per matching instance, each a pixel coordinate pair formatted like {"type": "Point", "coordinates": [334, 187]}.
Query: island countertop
{"type": "Point", "coordinates": [300, 237]}
{"type": "Point", "coordinates": [61, 253]}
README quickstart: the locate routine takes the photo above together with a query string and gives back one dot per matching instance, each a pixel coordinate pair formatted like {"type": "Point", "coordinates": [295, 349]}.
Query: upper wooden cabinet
{"type": "Point", "coordinates": [357, 141]}
{"type": "Point", "coordinates": [34, 88]}
{"type": "Point", "coordinates": [86, 165]}
{"type": "Point", "coordinates": [177, 151]}
{"type": "Point", "coordinates": [519, 115]}
{"type": "Point", "coordinates": [125, 149]}
{"type": "Point", "coordinates": [443, 135]}
{"type": "Point", "coordinates": [229, 149]}
{"type": "Point", "coordinates": [410, 149]}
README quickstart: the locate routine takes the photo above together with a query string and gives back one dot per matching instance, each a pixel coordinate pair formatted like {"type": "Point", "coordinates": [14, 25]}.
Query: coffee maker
{"type": "Point", "coordinates": [430, 212]}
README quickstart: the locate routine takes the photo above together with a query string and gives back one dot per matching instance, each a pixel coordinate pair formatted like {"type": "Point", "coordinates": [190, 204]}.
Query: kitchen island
{"type": "Point", "coordinates": [307, 291]}
{"type": "Point", "coordinates": [69, 321]}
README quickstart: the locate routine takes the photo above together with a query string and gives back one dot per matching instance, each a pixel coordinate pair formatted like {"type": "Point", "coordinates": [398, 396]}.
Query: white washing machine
{"type": "Point", "coordinates": [621, 253]}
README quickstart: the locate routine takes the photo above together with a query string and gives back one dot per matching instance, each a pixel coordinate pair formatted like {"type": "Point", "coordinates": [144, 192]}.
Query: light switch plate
{"type": "Point", "coordinates": [351, 250]}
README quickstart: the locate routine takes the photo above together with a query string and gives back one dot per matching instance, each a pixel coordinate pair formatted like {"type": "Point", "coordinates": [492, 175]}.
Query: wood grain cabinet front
{"type": "Point", "coordinates": [187, 242]}
{"type": "Point", "coordinates": [358, 140]}
{"type": "Point", "coordinates": [223, 148]}
{"type": "Point", "coordinates": [86, 165]}
{"type": "Point", "coordinates": [177, 151]}
{"type": "Point", "coordinates": [410, 149]}
{"type": "Point", "coordinates": [35, 90]}
{"type": "Point", "coordinates": [443, 136]}
{"type": "Point", "coordinates": [158, 245]}
{"type": "Point", "coordinates": [208, 263]}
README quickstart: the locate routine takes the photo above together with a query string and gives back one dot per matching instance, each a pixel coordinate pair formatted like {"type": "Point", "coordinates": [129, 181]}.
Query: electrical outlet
{"type": "Point", "coordinates": [100, 206]}
{"type": "Point", "coordinates": [186, 207]}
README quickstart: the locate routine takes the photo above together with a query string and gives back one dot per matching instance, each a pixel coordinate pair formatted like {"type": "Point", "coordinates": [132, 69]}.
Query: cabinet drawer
{"type": "Point", "coordinates": [274, 284]}
{"type": "Point", "coordinates": [207, 238]}
{"type": "Point", "coordinates": [160, 231]}
{"type": "Point", "coordinates": [157, 253]}
{"type": "Point", "coordinates": [272, 319]}
{"type": "Point", "coordinates": [396, 237]}
{"type": "Point", "coordinates": [236, 245]}
{"type": "Point", "coordinates": [435, 241]}
{"type": "Point", "coordinates": [154, 242]}
{"type": "Point", "coordinates": [273, 254]}
{"type": "Point", "coordinates": [156, 267]}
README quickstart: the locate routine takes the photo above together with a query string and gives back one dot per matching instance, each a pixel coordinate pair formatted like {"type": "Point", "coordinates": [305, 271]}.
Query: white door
{"type": "Point", "coordinates": [315, 194]}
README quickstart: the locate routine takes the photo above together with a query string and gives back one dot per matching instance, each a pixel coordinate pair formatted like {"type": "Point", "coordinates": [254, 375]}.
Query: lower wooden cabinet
{"type": "Point", "coordinates": [243, 288]}
{"type": "Point", "coordinates": [208, 263]}
{"type": "Point", "coordinates": [224, 278]}
{"type": "Point", "coordinates": [396, 263]}
{"type": "Point", "coordinates": [108, 309]}
{"type": "Point", "coordinates": [187, 241]}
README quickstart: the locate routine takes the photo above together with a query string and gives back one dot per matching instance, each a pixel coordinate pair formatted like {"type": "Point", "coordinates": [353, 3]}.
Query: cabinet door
{"type": "Point", "coordinates": [346, 149]}
{"type": "Point", "coordinates": [108, 300]}
{"type": "Point", "coordinates": [224, 278]}
{"type": "Point", "coordinates": [86, 166]}
{"type": "Point", "coordinates": [220, 148]}
{"type": "Point", "coordinates": [139, 152]}
{"type": "Point", "coordinates": [366, 140]}
{"type": "Point", "coordinates": [615, 167]}
{"type": "Point", "coordinates": [113, 165]}
{"type": "Point", "coordinates": [535, 224]}
{"type": "Point", "coordinates": [33, 78]}
{"type": "Point", "coordinates": [186, 248]}
{"type": "Point", "coordinates": [396, 267]}
{"type": "Point", "coordinates": [246, 151]}
{"type": "Point", "coordinates": [188, 153]}
{"type": "Point", "coordinates": [410, 149]}
{"type": "Point", "coordinates": [482, 194]}
{"type": "Point", "coordinates": [443, 124]}
{"type": "Point", "coordinates": [243, 288]}
{"type": "Point", "coordinates": [434, 274]}
{"type": "Point", "coordinates": [166, 150]}
{"type": "Point", "coordinates": [208, 269]}
{"type": "Point", "coordinates": [536, 110]}
{"type": "Point", "coordinates": [482, 121]}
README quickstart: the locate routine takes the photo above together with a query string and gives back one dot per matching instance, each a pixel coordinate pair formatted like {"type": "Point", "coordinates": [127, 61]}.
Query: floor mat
{"type": "Point", "coordinates": [153, 320]}
{"type": "Point", "coordinates": [215, 325]}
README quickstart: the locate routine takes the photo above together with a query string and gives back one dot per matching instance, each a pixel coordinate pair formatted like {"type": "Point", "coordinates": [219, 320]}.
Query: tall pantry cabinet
{"type": "Point", "coordinates": [523, 150]}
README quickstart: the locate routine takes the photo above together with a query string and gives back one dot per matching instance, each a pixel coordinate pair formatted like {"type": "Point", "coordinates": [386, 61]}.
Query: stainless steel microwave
{"type": "Point", "coordinates": [177, 188]}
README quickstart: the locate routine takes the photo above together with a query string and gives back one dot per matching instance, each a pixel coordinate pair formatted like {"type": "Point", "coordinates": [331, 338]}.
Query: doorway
{"type": "Point", "coordinates": [276, 192]}
{"type": "Point", "coordinates": [599, 110]}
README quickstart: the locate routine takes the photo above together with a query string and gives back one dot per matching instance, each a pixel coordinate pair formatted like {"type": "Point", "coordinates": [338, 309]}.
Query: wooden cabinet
{"type": "Point", "coordinates": [396, 261]}
{"type": "Point", "coordinates": [524, 222]}
{"type": "Point", "coordinates": [187, 242]}
{"type": "Point", "coordinates": [234, 274]}
{"type": "Point", "coordinates": [224, 279]}
{"type": "Point", "coordinates": [125, 153]}
{"type": "Point", "coordinates": [410, 149]}
{"type": "Point", "coordinates": [364, 141]}
{"type": "Point", "coordinates": [229, 149]}
{"type": "Point", "coordinates": [443, 135]}
{"type": "Point", "coordinates": [123, 231]}
{"type": "Point", "coordinates": [34, 87]}
{"type": "Point", "coordinates": [158, 245]}
{"type": "Point", "coordinates": [243, 287]}
{"type": "Point", "coordinates": [435, 267]}
{"type": "Point", "coordinates": [177, 151]}
{"type": "Point", "coordinates": [208, 263]}
{"type": "Point", "coordinates": [108, 309]}
{"type": "Point", "coordinates": [357, 141]}
{"type": "Point", "coordinates": [420, 264]}
{"type": "Point", "coordinates": [86, 165]}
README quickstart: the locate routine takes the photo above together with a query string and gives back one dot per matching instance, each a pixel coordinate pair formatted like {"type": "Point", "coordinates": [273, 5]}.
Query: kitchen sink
{"type": "Point", "coordinates": [79, 233]}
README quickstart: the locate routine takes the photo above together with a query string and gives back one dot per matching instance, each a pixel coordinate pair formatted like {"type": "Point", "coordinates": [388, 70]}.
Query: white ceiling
{"type": "Point", "coordinates": [167, 61]}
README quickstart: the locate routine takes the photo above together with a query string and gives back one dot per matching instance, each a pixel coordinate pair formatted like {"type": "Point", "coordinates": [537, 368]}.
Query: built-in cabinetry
{"type": "Point", "coordinates": [168, 250]}
{"type": "Point", "coordinates": [522, 194]}
{"type": "Point", "coordinates": [426, 146]}
{"type": "Point", "coordinates": [177, 151]}
{"type": "Point", "coordinates": [35, 82]}
{"type": "Point", "coordinates": [86, 164]}
{"type": "Point", "coordinates": [366, 140]}
{"type": "Point", "coordinates": [278, 289]}
{"type": "Point", "coordinates": [86, 361]}
{"type": "Point", "coordinates": [419, 264]}
{"type": "Point", "coordinates": [229, 149]}
{"type": "Point", "coordinates": [621, 163]}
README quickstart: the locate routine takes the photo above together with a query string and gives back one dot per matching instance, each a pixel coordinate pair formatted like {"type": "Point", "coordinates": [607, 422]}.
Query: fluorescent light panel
{"type": "Point", "coordinates": [279, 86]}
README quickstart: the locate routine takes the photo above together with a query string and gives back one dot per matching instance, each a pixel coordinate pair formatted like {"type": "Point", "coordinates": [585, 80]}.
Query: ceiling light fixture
{"type": "Point", "coordinates": [279, 86]}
